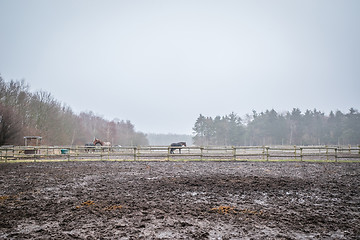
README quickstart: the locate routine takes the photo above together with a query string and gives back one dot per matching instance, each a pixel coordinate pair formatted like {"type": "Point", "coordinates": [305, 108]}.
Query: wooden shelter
{"type": "Point", "coordinates": [32, 140]}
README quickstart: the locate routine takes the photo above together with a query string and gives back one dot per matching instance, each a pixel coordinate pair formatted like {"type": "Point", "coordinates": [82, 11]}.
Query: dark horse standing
{"type": "Point", "coordinates": [175, 146]}
{"type": "Point", "coordinates": [89, 147]}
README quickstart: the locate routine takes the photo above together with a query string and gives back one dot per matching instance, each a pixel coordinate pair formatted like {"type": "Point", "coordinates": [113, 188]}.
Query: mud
{"type": "Point", "coordinates": [179, 200]}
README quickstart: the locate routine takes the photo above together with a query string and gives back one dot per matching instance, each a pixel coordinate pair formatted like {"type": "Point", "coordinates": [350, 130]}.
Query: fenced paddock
{"type": "Point", "coordinates": [195, 153]}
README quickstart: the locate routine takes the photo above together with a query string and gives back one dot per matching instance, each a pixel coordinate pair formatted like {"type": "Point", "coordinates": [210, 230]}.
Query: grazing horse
{"type": "Point", "coordinates": [175, 146]}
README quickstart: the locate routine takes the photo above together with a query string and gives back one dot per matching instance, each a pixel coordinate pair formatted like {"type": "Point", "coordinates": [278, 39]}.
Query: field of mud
{"type": "Point", "coordinates": [179, 200]}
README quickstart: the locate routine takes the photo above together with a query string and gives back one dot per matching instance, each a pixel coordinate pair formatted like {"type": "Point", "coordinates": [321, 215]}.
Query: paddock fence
{"type": "Point", "coordinates": [195, 153]}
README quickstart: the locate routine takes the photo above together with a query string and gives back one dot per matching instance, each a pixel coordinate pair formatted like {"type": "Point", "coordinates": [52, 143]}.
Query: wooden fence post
{"type": "Point", "coordinates": [336, 151]}
{"type": "Point", "coordinates": [77, 151]}
{"type": "Point", "coordinates": [263, 152]}
{"type": "Point", "coordinates": [327, 153]}
{"type": "Point", "coordinates": [5, 154]}
{"type": "Point", "coordinates": [135, 148]}
{"type": "Point", "coordinates": [168, 154]}
{"type": "Point", "coordinates": [234, 153]}
{"type": "Point", "coordinates": [301, 154]}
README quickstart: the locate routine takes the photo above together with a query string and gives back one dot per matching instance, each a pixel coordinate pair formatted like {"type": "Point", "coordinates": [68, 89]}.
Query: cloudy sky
{"type": "Point", "coordinates": [161, 63]}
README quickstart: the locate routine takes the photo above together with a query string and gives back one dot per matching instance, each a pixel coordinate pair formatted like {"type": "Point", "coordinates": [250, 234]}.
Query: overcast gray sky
{"type": "Point", "coordinates": [160, 64]}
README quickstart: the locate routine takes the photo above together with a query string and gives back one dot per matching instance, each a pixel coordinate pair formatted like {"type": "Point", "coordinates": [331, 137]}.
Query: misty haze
{"type": "Point", "coordinates": [160, 119]}
{"type": "Point", "coordinates": [161, 64]}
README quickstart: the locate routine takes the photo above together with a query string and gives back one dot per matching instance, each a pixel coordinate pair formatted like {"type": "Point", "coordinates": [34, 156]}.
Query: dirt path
{"type": "Point", "coordinates": [179, 200]}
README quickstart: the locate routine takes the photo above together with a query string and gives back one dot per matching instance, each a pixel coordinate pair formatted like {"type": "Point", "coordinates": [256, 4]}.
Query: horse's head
{"type": "Point", "coordinates": [96, 141]}
{"type": "Point", "coordinates": [183, 144]}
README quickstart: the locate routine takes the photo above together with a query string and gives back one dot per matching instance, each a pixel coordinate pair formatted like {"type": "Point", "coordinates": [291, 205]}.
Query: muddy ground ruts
{"type": "Point", "coordinates": [179, 200]}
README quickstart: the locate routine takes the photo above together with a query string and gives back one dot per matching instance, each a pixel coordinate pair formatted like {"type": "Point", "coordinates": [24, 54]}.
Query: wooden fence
{"type": "Point", "coordinates": [162, 153]}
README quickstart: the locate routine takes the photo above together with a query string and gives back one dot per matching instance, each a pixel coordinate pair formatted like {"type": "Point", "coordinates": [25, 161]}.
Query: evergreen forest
{"type": "Point", "coordinates": [311, 127]}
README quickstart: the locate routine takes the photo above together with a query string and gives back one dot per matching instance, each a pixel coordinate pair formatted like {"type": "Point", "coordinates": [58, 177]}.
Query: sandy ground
{"type": "Point", "coordinates": [179, 200]}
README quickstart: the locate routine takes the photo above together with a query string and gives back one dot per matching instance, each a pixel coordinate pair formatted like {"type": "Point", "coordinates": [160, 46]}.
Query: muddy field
{"type": "Point", "coordinates": [179, 200]}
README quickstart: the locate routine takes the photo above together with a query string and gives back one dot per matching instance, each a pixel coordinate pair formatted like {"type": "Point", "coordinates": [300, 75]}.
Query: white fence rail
{"type": "Point", "coordinates": [235, 153]}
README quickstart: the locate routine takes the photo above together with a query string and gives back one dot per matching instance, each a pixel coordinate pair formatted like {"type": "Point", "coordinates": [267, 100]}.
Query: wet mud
{"type": "Point", "coordinates": [179, 200]}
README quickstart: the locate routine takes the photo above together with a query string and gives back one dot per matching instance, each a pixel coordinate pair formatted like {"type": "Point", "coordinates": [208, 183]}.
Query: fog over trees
{"type": "Point", "coordinates": [311, 127]}
{"type": "Point", "coordinates": [23, 113]}
{"type": "Point", "coordinates": [159, 139]}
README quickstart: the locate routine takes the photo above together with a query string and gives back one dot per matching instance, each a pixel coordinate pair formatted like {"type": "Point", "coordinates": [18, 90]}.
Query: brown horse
{"type": "Point", "coordinates": [98, 142]}
{"type": "Point", "coordinates": [178, 145]}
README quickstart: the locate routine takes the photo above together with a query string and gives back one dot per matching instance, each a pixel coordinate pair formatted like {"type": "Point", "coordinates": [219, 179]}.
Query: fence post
{"type": "Point", "coordinates": [234, 153]}
{"type": "Point", "coordinates": [77, 151]}
{"type": "Point", "coordinates": [336, 151]}
{"type": "Point", "coordinates": [135, 148]}
{"type": "Point", "coordinates": [35, 154]}
{"type": "Point", "coordinates": [267, 153]}
{"type": "Point", "coordinates": [201, 152]}
{"type": "Point", "coordinates": [327, 153]}
{"type": "Point", "coordinates": [5, 154]}
{"type": "Point", "coordinates": [168, 154]}
{"type": "Point", "coordinates": [263, 152]}
{"type": "Point", "coordinates": [301, 154]}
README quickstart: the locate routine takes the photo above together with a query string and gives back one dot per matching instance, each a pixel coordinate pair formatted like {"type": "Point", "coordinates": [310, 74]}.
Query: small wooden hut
{"type": "Point", "coordinates": [32, 140]}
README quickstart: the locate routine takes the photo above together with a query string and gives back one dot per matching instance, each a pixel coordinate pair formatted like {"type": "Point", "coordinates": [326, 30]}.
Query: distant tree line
{"type": "Point", "coordinates": [312, 127]}
{"type": "Point", "coordinates": [23, 113]}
